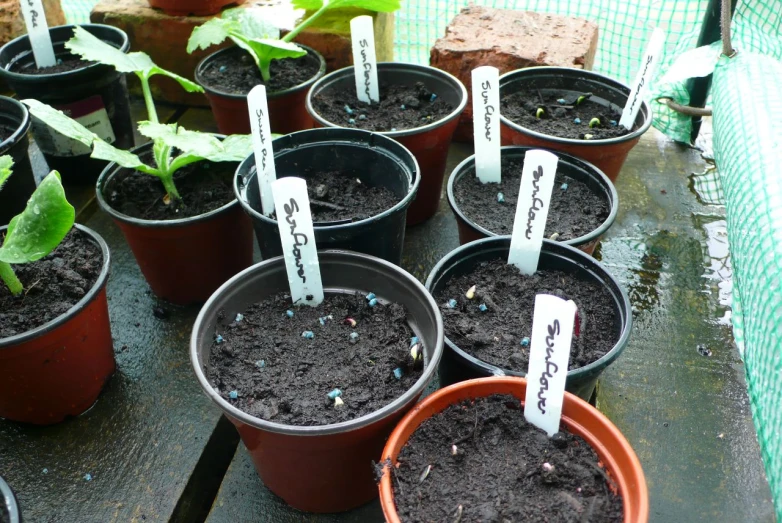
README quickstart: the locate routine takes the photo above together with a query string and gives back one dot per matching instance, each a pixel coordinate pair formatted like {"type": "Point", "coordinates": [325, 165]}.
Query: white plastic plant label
{"type": "Point", "coordinates": [486, 123]}
{"type": "Point", "coordinates": [549, 354]}
{"type": "Point", "coordinates": [38, 31]}
{"type": "Point", "coordinates": [645, 74]}
{"type": "Point", "coordinates": [90, 112]}
{"type": "Point", "coordinates": [362, 34]}
{"type": "Point", "coordinates": [262, 146]}
{"type": "Point", "coordinates": [298, 240]}
{"type": "Point", "coordinates": [537, 183]}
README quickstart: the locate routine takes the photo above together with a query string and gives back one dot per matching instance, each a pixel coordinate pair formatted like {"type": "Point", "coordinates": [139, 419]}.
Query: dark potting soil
{"type": "Point", "coordinates": [575, 209]}
{"type": "Point", "coordinates": [203, 186]}
{"type": "Point", "coordinates": [235, 72]}
{"type": "Point", "coordinates": [281, 376]}
{"type": "Point", "coordinates": [401, 107]}
{"type": "Point", "coordinates": [495, 335]}
{"type": "Point", "coordinates": [560, 120]}
{"type": "Point", "coordinates": [64, 64]}
{"type": "Point", "coordinates": [504, 469]}
{"type": "Point", "coordinates": [5, 517]}
{"type": "Point", "coordinates": [52, 285]}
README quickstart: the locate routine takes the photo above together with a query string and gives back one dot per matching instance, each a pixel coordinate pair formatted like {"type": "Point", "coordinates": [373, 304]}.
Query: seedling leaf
{"type": "Point", "coordinates": [213, 32]}
{"type": "Point", "coordinates": [197, 145]}
{"type": "Point", "coordinates": [6, 164]}
{"type": "Point", "coordinates": [252, 23]}
{"type": "Point", "coordinates": [381, 6]}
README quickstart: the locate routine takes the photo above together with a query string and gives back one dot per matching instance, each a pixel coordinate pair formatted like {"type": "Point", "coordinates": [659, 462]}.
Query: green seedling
{"type": "Point", "coordinates": [38, 230]}
{"type": "Point", "coordinates": [584, 97]}
{"type": "Point", "coordinates": [594, 122]}
{"type": "Point", "coordinates": [261, 38]}
{"type": "Point", "coordinates": [540, 112]}
{"type": "Point", "coordinates": [192, 146]}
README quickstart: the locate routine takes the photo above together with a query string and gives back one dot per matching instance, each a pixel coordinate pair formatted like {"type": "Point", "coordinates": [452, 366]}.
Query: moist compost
{"type": "Point", "coordinates": [560, 119]}
{"type": "Point", "coordinates": [401, 107]}
{"type": "Point", "coordinates": [575, 209]}
{"type": "Point", "coordinates": [5, 517]}
{"type": "Point", "coordinates": [64, 64]}
{"type": "Point", "coordinates": [52, 285]}
{"type": "Point", "coordinates": [235, 72]}
{"type": "Point", "coordinates": [495, 335]}
{"type": "Point", "coordinates": [504, 469]}
{"type": "Point", "coordinates": [281, 376]}
{"type": "Point", "coordinates": [204, 186]}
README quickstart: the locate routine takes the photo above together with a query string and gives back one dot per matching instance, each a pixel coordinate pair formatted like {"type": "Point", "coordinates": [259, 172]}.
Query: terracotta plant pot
{"type": "Point", "coordinates": [578, 417]}
{"type": "Point", "coordinates": [457, 365]}
{"type": "Point", "coordinates": [325, 468]}
{"type": "Point", "coordinates": [95, 95]}
{"type": "Point", "coordinates": [428, 143]}
{"type": "Point", "coordinates": [568, 165]}
{"type": "Point", "coordinates": [192, 7]}
{"type": "Point", "coordinates": [607, 155]}
{"type": "Point", "coordinates": [183, 260]}
{"type": "Point", "coordinates": [287, 111]}
{"type": "Point", "coordinates": [8, 500]}
{"type": "Point", "coordinates": [20, 186]}
{"type": "Point", "coordinates": [57, 370]}
{"type": "Point", "coordinates": [377, 160]}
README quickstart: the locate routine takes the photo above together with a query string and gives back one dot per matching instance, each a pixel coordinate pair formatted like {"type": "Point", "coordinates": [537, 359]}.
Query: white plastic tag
{"type": "Point", "coordinates": [362, 34]}
{"type": "Point", "coordinates": [552, 335]}
{"type": "Point", "coordinates": [262, 146]}
{"type": "Point", "coordinates": [38, 31]}
{"type": "Point", "coordinates": [537, 183]}
{"type": "Point", "coordinates": [298, 240]}
{"type": "Point", "coordinates": [486, 123]}
{"type": "Point", "coordinates": [645, 74]}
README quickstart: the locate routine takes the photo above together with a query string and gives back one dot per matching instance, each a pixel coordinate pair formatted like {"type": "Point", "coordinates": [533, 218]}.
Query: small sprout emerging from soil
{"type": "Point", "coordinates": [350, 321]}
{"type": "Point", "coordinates": [613, 123]}
{"type": "Point", "coordinates": [594, 122]}
{"type": "Point", "coordinates": [372, 302]}
{"type": "Point", "coordinates": [458, 516]}
{"type": "Point", "coordinates": [233, 394]}
{"type": "Point", "coordinates": [470, 294]}
{"type": "Point", "coordinates": [308, 334]}
{"type": "Point", "coordinates": [482, 307]}
{"type": "Point", "coordinates": [260, 364]}
{"type": "Point", "coordinates": [289, 313]}
{"type": "Point", "coordinates": [362, 117]}
{"type": "Point", "coordinates": [548, 467]}
{"type": "Point", "coordinates": [425, 474]}
{"type": "Point", "coordinates": [88, 477]}
{"type": "Point", "coordinates": [454, 450]}
{"type": "Point", "coordinates": [433, 97]}
{"type": "Point", "coordinates": [584, 97]}
{"type": "Point", "coordinates": [219, 339]}
{"type": "Point", "coordinates": [239, 317]}
{"type": "Point", "coordinates": [554, 237]}
{"type": "Point", "coordinates": [334, 394]}
{"type": "Point", "coordinates": [398, 373]}
{"type": "Point", "coordinates": [352, 121]}
{"type": "Point", "coordinates": [588, 137]}
{"type": "Point", "coordinates": [500, 198]}
{"type": "Point", "coordinates": [525, 341]}
{"type": "Point", "coordinates": [416, 353]}
{"type": "Point", "coordinates": [563, 187]}
{"type": "Point", "coordinates": [452, 303]}
{"type": "Point", "coordinates": [348, 109]}
{"type": "Point", "coordinates": [561, 101]}
{"type": "Point", "coordinates": [577, 121]}
{"type": "Point", "coordinates": [338, 402]}
{"type": "Point", "coordinates": [540, 112]}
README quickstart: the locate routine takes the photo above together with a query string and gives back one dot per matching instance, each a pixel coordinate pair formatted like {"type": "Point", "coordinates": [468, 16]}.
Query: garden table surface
{"type": "Point", "coordinates": [155, 448]}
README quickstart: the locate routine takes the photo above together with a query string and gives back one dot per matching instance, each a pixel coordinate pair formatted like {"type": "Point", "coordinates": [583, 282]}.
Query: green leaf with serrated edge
{"type": "Point", "coordinates": [252, 23]}
{"type": "Point", "coordinates": [6, 164]}
{"type": "Point", "coordinates": [213, 32]}
{"type": "Point", "coordinates": [59, 122]}
{"type": "Point", "coordinates": [42, 225]}
{"type": "Point", "coordinates": [381, 6]}
{"type": "Point", "coordinates": [196, 144]}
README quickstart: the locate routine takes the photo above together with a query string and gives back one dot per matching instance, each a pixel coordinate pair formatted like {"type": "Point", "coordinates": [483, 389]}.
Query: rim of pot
{"type": "Point", "coordinates": [587, 76]}
{"type": "Point", "coordinates": [24, 116]}
{"type": "Point", "coordinates": [578, 162]}
{"type": "Point", "coordinates": [270, 94]}
{"type": "Point", "coordinates": [79, 305]}
{"type": "Point", "coordinates": [580, 258]}
{"type": "Point", "coordinates": [65, 75]}
{"type": "Point", "coordinates": [348, 71]}
{"type": "Point", "coordinates": [9, 500]}
{"type": "Point", "coordinates": [368, 138]}
{"type": "Point", "coordinates": [332, 428]}
{"type": "Point", "coordinates": [112, 167]}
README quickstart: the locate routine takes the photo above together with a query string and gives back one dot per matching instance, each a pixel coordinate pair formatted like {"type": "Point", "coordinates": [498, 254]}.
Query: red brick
{"type": "Point", "coordinates": [12, 22]}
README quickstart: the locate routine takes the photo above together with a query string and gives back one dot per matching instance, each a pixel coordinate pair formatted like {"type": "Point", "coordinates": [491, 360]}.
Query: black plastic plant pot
{"type": "Point", "coordinates": [336, 458]}
{"type": "Point", "coordinates": [371, 157]}
{"type": "Point", "coordinates": [96, 95]}
{"type": "Point", "coordinates": [14, 133]}
{"type": "Point", "coordinates": [457, 365]}
{"type": "Point", "coordinates": [9, 503]}
{"type": "Point", "coordinates": [567, 165]}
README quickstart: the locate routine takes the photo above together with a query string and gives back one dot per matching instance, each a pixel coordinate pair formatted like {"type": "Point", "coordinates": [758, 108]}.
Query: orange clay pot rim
{"type": "Point", "coordinates": [385, 66]}
{"type": "Point", "coordinates": [100, 283]}
{"type": "Point", "coordinates": [412, 417]}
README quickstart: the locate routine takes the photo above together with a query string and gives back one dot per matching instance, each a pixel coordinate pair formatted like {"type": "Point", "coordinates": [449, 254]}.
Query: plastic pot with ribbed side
{"type": "Point", "coordinates": [371, 158]}
{"type": "Point", "coordinates": [621, 465]}
{"type": "Point", "coordinates": [458, 365]}
{"type": "Point", "coordinates": [429, 142]}
{"type": "Point", "coordinates": [95, 95]}
{"type": "Point", "coordinates": [320, 468]}
{"type": "Point", "coordinates": [9, 504]}
{"type": "Point", "coordinates": [15, 139]}
{"type": "Point", "coordinates": [184, 260]}
{"type": "Point", "coordinates": [287, 112]}
{"type": "Point", "coordinates": [589, 178]}
{"type": "Point", "coordinates": [607, 154]}
{"type": "Point", "coordinates": [58, 369]}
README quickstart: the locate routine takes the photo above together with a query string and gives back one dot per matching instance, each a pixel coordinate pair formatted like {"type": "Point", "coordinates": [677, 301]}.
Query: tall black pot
{"type": "Point", "coordinates": [14, 132]}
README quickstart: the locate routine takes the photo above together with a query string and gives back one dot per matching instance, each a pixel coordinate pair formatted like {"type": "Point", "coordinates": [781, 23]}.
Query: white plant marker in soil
{"type": "Point", "coordinates": [262, 146]}
{"type": "Point", "coordinates": [486, 123]}
{"type": "Point", "coordinates": [298, 240]}
{"type": "Point", "coordinates": [552, 334]}
{"type": "Point", "coordinates": [529, 224]}
{"type": "Point", "coordinates": [362, 34]}
{"type": "Point", "coordinates": [654, 51]}
{"type": "Point", "coordinates": [38, 32]}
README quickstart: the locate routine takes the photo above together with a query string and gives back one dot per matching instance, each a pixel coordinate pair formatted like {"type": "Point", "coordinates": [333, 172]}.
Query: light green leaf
{"type": "Point", "coordinates": [198, 145]}
{"type": "Point", "coordinates": [59, 122]}
{"type": "Point", "coordinates": [267, 50]}
{"type": "Point", "coordinates": [252, 23]}
{"type": "Point", "coordinates": [213, 32]}
{"type": "Point", "coordinates": [381, 6]}
{"type": "Point", "coordinates": [105, 151]}
{"type": "Point", "coordinates": [6, 164]}
{"type": "Point", "coordinates": [190, 87]}
{"type": "Point", "coordinates": [42, 225]}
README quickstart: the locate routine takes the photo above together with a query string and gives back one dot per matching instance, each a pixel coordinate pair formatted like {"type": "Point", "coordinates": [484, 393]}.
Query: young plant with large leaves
{"type": "Point", "coordinates": [259, 37]}
{"type": "Point", "coordinates": [192, 146]}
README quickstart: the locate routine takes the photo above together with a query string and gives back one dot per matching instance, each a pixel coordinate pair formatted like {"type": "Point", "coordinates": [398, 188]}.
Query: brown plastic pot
{"type": "Point", "coordinates": [579, 417]}
{"type": "Point", "coordinates": [57, 370]}
{"type": "Point", "coordinates": [183, 260]}
{"type": "Point", "coordinates": [608, 155]}
{"type": "Point", "coordinates": [192, 7]}
{"type": "Point", "coordinates": [287, 111]}
{"type": "Point", "coordinates": [428, 143]}
{"type": "Point", "coordinates": [568, 165]}
{"type": "Point", "coordinates": [325, 468]}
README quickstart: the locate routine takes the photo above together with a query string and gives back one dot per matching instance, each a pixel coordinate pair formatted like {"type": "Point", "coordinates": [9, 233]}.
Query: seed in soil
{"type": "Point", "coordinates": [594, 122]}
{"type": "Point", "coordinates": [350, 321]}
{"type": "Point", "coordinates": [338, 402]}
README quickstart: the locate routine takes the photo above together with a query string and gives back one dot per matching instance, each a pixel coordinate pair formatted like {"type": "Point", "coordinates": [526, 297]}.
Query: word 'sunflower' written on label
{"type": "Point", "coordinates": [486, 123]}
{"type": "Point", "coordinates": [643, 78]}
{"type": "Point", "coordinates": [362, 34]}
{"type": "Point", "coordinates": [91, 113]}
{"type": "Point", "coordinates": [260, 127]}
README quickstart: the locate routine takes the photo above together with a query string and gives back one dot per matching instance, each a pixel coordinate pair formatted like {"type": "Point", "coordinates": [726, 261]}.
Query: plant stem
{"type": "Point", "coordinates": [150, 103]}
{"type": "Point", "coordinates": [302, 26]}
{"type": "Point", "coordinates": [168, 183]}
{"type": "Point", "coordinates": [10, 279]}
